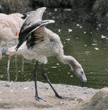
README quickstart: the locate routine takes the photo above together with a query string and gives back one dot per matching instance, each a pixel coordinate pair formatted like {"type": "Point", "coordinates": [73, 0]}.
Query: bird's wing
{"type": "Point", "coordinates": [32, 21]}
{"type": "Point", "coordinates": [33, 17]}
{"type": "Point", "coordinates": [25, 33]}
{"type": "Point", "coordinates": [25, 15]}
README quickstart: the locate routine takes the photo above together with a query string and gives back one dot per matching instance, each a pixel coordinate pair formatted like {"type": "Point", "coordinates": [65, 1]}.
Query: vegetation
{"type": "Point", "coordinates": [86, 10]}
{"type": "Point", "coordinates": [12, 6]}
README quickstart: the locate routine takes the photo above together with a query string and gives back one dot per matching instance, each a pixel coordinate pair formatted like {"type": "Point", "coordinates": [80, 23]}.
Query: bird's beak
{"type": "Point", "coordinates": [83, 80]}
{"type": "Point", "coordinates": [83, 84]}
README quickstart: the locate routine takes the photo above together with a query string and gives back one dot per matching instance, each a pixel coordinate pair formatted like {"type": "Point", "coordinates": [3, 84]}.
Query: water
{"type": "Point", "coordinates": [89, 49]}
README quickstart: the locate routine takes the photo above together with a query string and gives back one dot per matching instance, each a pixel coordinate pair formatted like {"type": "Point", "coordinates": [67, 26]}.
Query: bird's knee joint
{"type": "Point", "coordinates": [44, 75]}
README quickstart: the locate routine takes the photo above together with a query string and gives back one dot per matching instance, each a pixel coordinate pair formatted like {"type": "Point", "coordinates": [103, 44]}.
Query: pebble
{"type": "Point", "coordinates": [69, 89]}
{"type": "Point", "coordinates": [103, 37]}
{"type": "Point", "coordinates": [78, 24]}
{"type": "Point", "coordinates": [84, 32]}
{"type": "Point", "coordinates": [96, 48]}
{"type": "Point", "coordinates": [8, 84]}
{"type": "Point", "coordinates": [68, 39]}
{"type": "Point", "coordinates": [81, 27]}
{"type": "Point", "coordinates": [69, 30]}
{"type": "Point", "coordinates": [59, 30]}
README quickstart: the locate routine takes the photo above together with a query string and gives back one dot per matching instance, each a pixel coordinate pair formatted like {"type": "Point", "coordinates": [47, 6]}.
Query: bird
{"type": "Point", "coordinates": [9, 29]}
{"type": "Point", "coordinates": [18, 18]}
{"type": "Point", "coordinates": [38, 42]}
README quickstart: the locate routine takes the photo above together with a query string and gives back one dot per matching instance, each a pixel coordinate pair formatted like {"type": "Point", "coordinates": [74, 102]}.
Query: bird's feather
{"type": "Point", "coordinates": [33, 40]}
{"type": "Point", "coordinates": [25, 15]}
{"type": "Point", "coordinates": [25, 32]}
{"type": "Point", "coordinates": [32, 21]}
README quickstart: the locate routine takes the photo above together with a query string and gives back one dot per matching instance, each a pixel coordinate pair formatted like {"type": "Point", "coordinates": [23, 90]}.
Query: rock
{"type": "Point", "coordinates": [99, 101]}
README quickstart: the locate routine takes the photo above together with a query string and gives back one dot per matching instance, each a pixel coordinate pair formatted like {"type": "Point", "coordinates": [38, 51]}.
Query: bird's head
{"type": "Point", "coordinates": [77, 69]}
{"type": "Point", "coordinates": [80, 73]}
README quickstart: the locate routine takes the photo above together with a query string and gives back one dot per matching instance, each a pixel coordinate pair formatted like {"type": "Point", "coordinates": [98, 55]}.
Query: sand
{"type": "Point", "coordinates": [20, 96]}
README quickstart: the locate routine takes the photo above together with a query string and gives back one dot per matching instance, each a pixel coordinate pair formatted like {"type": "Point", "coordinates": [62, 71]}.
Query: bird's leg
{"type": "Point", "coordinates": [8, 65]}
{"type": "Point", "coordinates": [0, 51]}
{"type": "Point", "coordinates": [46, 78]}
{"type": "Point", "coordinates": [35, 78]}
{"type": "Point", "coordinates": [16, 67]}
{"type": "Point", "coordinates": [16, 64]}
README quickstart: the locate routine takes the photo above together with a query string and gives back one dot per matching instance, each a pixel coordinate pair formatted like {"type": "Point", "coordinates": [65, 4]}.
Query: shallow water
{"type": "Point", "coordinates": [89, 49]}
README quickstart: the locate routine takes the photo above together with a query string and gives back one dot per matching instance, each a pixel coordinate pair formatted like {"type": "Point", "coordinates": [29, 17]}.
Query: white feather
{"type": "Point", "coordinates": [10, 26]}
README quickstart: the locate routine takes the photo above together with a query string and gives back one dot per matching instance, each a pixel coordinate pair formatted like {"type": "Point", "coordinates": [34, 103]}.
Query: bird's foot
{"type": "Point", "coordinates": [61, 97]}
{"type": "Point", "coordinates": [39, 98]}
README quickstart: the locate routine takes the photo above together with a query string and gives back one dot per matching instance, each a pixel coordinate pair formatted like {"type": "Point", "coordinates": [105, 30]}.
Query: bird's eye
{"type": "Point", "coordinates": [81, 72]}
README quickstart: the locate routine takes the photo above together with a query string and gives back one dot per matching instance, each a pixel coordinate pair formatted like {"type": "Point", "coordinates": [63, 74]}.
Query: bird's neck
{"type": "Point", "coordinates": [68, 60]}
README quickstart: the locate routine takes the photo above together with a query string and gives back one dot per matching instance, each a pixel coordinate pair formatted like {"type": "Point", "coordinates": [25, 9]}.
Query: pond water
{"type": "Point", "coordinates": [89, 49]}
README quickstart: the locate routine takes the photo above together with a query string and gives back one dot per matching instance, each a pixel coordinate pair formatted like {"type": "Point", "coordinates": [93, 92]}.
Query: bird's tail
{"type": "Point", "coordinates": [12, 50]}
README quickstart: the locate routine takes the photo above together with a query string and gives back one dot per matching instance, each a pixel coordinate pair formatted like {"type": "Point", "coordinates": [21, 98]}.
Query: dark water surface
{"type": "Point", "coordinates": [91, 50]}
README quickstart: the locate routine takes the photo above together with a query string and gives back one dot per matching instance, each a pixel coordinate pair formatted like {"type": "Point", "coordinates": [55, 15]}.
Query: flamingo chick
{"type": "Point", "coordinates": [38, 42]}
